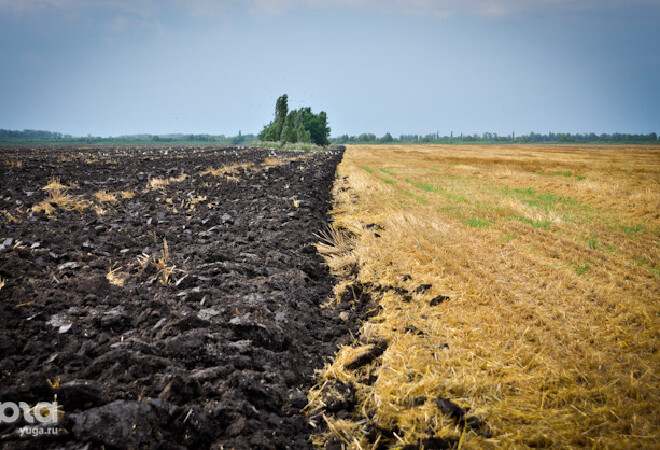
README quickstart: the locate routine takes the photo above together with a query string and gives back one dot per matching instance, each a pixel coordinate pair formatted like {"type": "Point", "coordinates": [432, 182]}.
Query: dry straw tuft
{"type": "Point", "coordinates": [59, 198]}
{"type": "Point", "coordinates": [105, 197]}
{"type": "Point", "coordinates": [161, 183]}
{"type": "Point", "coordinates": [116, 277]}
{"type": "Point", "coordinates": [162, 264]}
{"type": "Point", "coordinates": [230, 171]}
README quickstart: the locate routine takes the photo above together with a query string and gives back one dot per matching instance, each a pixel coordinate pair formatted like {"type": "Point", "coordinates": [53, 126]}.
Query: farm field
{"type": "Point", "coordinates": [169, 297]}
{"type": "Point", "coordinates": [515, 294]}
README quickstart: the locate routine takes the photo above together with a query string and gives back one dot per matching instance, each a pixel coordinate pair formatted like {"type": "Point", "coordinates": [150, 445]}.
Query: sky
{"type": "Point", "coordinates": [118, 67]}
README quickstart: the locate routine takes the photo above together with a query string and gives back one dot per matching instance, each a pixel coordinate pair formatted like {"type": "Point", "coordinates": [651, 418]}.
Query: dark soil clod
{"type": "Point", "coordinates": [412, 329]}
{"type": "Point", "coordinates": [337, 396]}
{"type": "Point", "coordinates": [433, 443]}
{"type": "Point", "coordinates": [438, 300]}
{"type": "Point", "coordinates": [413, 402]}
{"type": "Point", "coordinates": [368, 356]}
{"type": "Point", "coordinates": [478, 426]}
{"type": "Point", "coordinates": [451, 409]}
{"type": "Point", "coordinates": [459, 416]}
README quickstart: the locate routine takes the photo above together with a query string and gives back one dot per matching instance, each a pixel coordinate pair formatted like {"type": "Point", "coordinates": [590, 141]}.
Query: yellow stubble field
{"type": "Point", "coordinates": [549, 257]}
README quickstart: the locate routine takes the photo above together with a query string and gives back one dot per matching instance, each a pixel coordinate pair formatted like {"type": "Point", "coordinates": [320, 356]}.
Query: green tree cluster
{"type": "Point", "coordinates": [298, 125]}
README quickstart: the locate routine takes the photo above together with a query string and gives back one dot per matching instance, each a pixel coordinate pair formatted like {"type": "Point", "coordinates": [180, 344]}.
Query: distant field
{"type": "Point", "coordinates": [549, 258]}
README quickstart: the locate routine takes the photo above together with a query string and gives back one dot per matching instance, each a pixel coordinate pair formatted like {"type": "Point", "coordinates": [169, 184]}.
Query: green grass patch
{"type": "Point", "coordinates": [610, 248]}
{"type": "Point", "coordinates": [454, 197]}
{"type": "Point", "coordinates": [540, 200]}
{"type": "Point", "coordinates": [524, 191]}
{"type": "Point", "coordinates": [426, 187]}
{"type": "Point", "coordinates": [592, 243]}
{"type": "Point", "coordinates": [543, 201]}
{"type": "Point", "coordinates": [389, 181]}
{"type": "Point", "coordinates": [435, 189]}
{"type": "Point", "coordinates": [449, 195]}
{"type": "Point", "coordinates": [475, 222]}
{"type": "Point", "coordinates": [634, 229]}
{"type": "Point", "coordinates": [418, 198]}
{"type": "Point", "coordinates": [545, 224]}
{"type": "Point", "coordinates": [508, 237]}
{"type": "Point", "coordinates": [582, 269]}
{"type": "Point", "coordinates": [387, 171]}
{"type": "Point", "coordinates": [367, 169]}
{"type": "Point", "coordinates": [567, 174]}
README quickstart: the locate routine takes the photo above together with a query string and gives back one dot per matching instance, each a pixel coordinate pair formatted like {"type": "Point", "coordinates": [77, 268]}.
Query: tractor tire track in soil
{"type": "Point", "coordinates": [221, 354]}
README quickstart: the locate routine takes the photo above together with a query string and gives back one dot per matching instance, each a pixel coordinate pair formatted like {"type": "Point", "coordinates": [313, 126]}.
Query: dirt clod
{"type": "Point", "coordinates": [433, 443]}
{"type": "Point", "coordinates": [372, 352]}
{"type": "Point", "coordinates": [337, 396]}
{"type": "Point", "coordinates": [438, 300]}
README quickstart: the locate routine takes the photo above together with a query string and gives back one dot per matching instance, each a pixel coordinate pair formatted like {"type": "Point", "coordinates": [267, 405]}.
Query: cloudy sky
{"type": "Point", "coordinates": [111, 67]}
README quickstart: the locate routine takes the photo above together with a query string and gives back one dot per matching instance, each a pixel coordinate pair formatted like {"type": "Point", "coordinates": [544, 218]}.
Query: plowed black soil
{"type": "Point", "coordinates": [220, 356]}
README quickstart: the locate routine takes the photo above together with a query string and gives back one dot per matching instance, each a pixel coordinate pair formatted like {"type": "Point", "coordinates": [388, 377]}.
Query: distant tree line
{"type": "Point", "coordinates": [298, 125]}
{"type": "Point", "coordinates": [49, 136]}
{"type": "Point", "coordinates": [30, 134]}
{"type": "Point", "coordinates": [551, 137]}
{"type": "Point", "coordinates": [314, 129]}
{"type": "Point", "coordinates": [221, 139]}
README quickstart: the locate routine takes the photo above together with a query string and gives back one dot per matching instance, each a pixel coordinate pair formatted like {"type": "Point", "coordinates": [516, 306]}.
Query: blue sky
{"type": "Point", "coordinates": [112, 67]}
